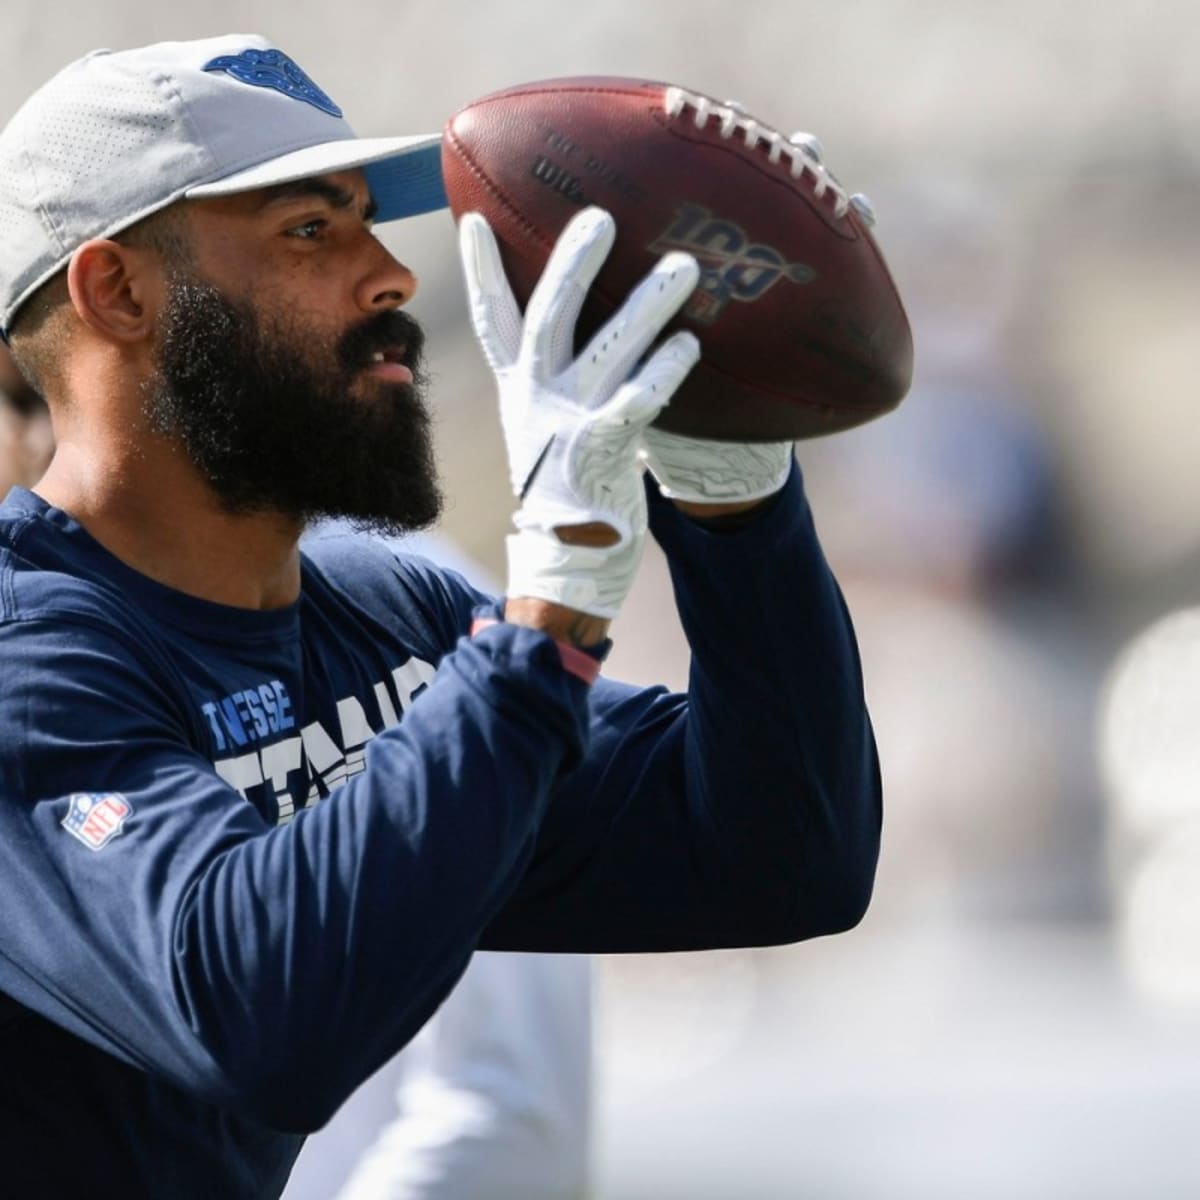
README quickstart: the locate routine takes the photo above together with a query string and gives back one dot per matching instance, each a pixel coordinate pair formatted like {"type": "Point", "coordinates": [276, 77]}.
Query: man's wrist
{"type": "Point", "coordinates": [580, 658]}
{"type": "Point", "coordinates": [725, 518]}
{"type": "Point", "coordinates": [707, 512]}
{"type": "Point", "coordinates": [563, 624]}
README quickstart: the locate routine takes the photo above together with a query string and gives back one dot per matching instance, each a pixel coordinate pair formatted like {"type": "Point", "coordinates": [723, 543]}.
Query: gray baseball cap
{"type": "Point", "coordinates": [119, 135]}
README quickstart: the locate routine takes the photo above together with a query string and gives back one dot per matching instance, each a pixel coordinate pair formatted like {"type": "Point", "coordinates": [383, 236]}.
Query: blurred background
{"type": "Point", "coordinates": [1019, 1015]}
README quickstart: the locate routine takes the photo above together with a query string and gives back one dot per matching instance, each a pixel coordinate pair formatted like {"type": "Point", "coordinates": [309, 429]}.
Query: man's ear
{"type": "Point", "coordinates": [113, 289]}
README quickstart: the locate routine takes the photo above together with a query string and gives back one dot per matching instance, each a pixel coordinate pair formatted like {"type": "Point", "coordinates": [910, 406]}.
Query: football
{"type": "Point", "coordinates": [801, 328]}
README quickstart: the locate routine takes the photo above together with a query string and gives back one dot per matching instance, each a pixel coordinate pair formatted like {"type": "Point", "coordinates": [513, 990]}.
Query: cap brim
{"type": "Point", "coordinates": [403, 173]}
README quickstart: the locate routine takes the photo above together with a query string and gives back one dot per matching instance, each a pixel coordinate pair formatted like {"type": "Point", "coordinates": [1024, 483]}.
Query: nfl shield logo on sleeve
{"type": "Point", "coordinates": [95, 818]}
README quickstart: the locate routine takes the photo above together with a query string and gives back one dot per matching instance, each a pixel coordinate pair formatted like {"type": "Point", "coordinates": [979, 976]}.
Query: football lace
{"type": "Point", "coordinates": [735, 120]}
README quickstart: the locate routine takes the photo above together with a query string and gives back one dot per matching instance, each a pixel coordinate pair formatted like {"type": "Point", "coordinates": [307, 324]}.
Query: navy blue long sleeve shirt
{"type": "Point", "coordinates": [244, 855]}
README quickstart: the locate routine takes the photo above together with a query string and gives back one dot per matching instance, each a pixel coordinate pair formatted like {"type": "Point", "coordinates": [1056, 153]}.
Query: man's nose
{"type": "Point", "coordinates": [387, 284]}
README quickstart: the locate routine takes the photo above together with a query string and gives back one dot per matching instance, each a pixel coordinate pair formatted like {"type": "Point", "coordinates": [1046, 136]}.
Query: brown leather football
{"type": "Point", "coordinates": [801, 329]}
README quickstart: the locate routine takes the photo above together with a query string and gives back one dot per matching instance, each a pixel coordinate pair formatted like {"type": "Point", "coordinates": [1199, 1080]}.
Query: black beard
{"type": "Point", "coordinates": [269, 419]}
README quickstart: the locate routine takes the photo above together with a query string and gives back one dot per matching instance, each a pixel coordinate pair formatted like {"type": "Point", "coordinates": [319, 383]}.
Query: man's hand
{"type": "Point", "coordinates": [707, 478]}
{"type": "Point", "coordinates": [573, 426]}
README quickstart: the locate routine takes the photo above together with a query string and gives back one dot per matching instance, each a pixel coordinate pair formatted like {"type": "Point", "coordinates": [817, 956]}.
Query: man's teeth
{"type": "Point", "coordinates": [388, 356]}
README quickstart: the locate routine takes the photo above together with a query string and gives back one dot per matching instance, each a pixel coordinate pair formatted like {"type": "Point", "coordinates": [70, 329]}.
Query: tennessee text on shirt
{"type": "Point", "coordinates": [273, 767]}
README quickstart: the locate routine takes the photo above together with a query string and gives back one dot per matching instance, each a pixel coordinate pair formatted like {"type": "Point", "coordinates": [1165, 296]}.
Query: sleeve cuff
{"type": "Point", "coordinates": [583, 663]}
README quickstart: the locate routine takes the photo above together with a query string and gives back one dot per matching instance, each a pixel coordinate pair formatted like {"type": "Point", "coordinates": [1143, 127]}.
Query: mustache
{"type": "Point", "coordinates": [386, 331]}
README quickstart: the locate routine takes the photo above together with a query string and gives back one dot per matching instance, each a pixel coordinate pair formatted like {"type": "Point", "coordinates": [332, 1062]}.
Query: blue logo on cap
{"type": "Point", "coordinates": [273, 69]}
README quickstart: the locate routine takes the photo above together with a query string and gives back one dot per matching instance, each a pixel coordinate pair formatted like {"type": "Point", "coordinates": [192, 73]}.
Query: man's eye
{"type": "Point", "coordinates": [309, 230]}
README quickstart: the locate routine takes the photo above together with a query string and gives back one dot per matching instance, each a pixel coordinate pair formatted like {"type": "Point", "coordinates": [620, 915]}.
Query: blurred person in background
{"type": "Point", "coordinates": [947, 523]}
{"type": "Point", "coordinates": [987, 757]}
{"type": "Point", "coordinates": [26, 439]}
{"type": "Point", "coordinates": [493, 1098]}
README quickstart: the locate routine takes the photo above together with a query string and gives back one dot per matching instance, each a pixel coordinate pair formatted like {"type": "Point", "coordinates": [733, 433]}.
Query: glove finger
{"type": "Point", "coordinates": [554, 306]}
{"type": "Point", "coordinates": [645, 395]}
{"type": "Point", "coordinates": [494, 311]}
{"type": "Point", "coordinates": [668, 366]}
{"type": "Point", "coordinates": [611, 354]}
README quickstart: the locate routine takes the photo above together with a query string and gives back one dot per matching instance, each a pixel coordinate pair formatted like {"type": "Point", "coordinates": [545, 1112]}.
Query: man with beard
{"type": "Point", "coordinates": [258, 807]}
{"type": "Point", "coordinates": [493, 1096]}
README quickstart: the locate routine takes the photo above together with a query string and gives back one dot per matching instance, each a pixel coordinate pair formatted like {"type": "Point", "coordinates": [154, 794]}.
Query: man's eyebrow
{"type": "Point", "coordinates": [337, 197]}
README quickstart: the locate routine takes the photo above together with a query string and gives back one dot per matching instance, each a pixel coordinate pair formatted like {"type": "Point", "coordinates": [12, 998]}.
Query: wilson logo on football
{"type": "Point", "coordinates": [731, 266]}
{"type": "Point", "coordinates": [95, 818]}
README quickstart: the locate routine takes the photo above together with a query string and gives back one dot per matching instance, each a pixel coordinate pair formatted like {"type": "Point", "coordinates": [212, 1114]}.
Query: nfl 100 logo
{"type": "Point", "coordinates": [95, 818]}
{"type": "Point", "coordinates": [732, 267]}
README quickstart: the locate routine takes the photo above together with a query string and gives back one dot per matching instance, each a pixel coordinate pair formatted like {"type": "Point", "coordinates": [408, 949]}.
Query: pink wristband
{"type": "Point", "coordinates": [575, 661]}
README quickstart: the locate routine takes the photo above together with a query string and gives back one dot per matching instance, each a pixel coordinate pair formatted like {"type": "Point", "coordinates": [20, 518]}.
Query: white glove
{"type": "Point", "coordinates": [573, 426]}
{"type": "Point", "coordinates": [709, 472]}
